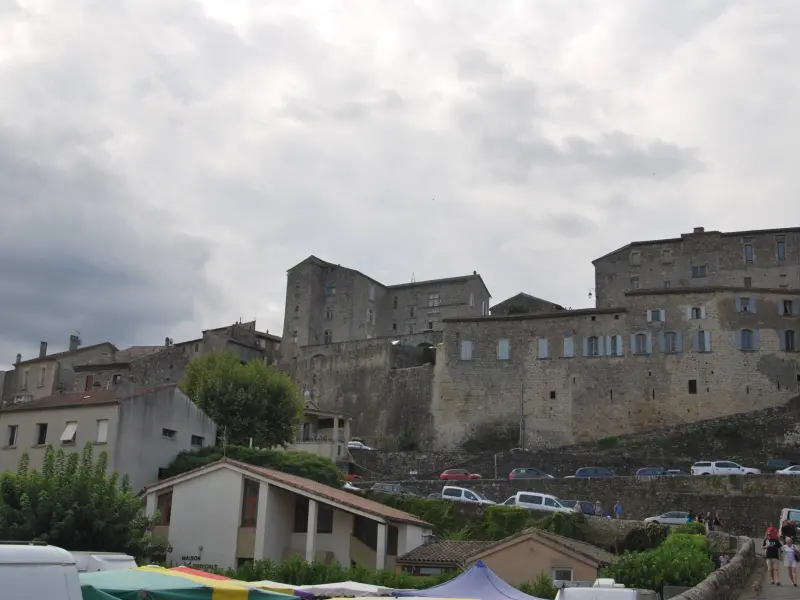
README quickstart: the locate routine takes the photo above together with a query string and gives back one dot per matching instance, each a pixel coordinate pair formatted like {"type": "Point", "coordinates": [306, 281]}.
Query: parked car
{"type": "Point", "coordinates": [587, 472]}
{"type": "Point", "coordinates": [458, 474]}
{"type": "Point", "coordinates": [350, 487]}
{"type": "Point", "coordinates": [435, 496]}
{"type": "Point", "coordinates": [393, 489]}
{"type": "Point", "coordinates": [793, 470]}
{"type": "Point", "coordinates": [651, 473]}
{"type": "Point", "coordinates": [587, 507]}
{"type": "Point", "coordinates": [722, 467]}
{"type": "Point", "coordinates": [677, 473]}
{"type": "Point", "coordinates": [528, 473]}
{"type": "Point", "coordinates": [536, 501]}
{"type": "Point", "coordinates": [357, 445]}
{"type": "Point", "coordinates": [675, 517]}
{"type": "Point", "coordinates": [778, 464]}
{"type": "Point", "coordinates": [459, 494]}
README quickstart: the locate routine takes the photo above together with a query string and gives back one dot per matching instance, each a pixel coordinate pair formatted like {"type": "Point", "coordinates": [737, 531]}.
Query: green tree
{"type": "Point", "coordinates": [74, 504]}
{"type": "Point", "coordinates": [541, 587]}
{"type": "Point", "coordinates": [303, 464]}
{"type": "Point", "coordinates": [250, 401]}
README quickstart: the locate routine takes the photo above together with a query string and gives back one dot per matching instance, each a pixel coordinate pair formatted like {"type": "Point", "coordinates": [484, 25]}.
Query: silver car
{"type": "Point", "coordinates": [675, 517]}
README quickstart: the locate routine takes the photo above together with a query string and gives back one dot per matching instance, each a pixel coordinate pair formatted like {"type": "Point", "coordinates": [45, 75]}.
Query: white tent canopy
{"type": "Point", "coordinates": [347, 588]}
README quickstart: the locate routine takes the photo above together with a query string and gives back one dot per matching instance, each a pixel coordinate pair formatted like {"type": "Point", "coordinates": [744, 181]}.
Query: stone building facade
{"type": "Point", "coordinates": [331, 304]}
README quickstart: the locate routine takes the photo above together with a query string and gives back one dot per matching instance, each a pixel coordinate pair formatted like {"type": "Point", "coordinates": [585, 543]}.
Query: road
{"type": "Point", "coordinates": [784, 591]}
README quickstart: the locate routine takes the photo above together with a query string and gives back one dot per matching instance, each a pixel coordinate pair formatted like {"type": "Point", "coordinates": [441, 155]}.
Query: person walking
{"type": "Point", "coordinates": [598, 509]}
{"type": "Point", "coordinates": [577, 508]}
{"type": "Point", "coordinates": [709, 522]}
{"type": "Point", "coordinates": [790, 559]}
{"type": "Point", "coordinates": [618, 510]}
{"type": "Point", "coordinates": [788, 529]}
{"type": "Point", "coordinates": [717, 521]}
{"type": "Point", "coordinates": [772, 551]}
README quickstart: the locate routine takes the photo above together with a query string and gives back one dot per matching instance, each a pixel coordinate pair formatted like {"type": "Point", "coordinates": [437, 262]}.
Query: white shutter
{"type": "Point", "coordinates": [618, 345]}
{"type": "Point", "coordinates": [569, 352]}
{"type": "Point", "coordinates": [707, 335]}
{"type": "Point", "coordinates": [649, 343]}
{"type": "Point", "coordinates": [702, 312]}
{"type": "Point", "coordinates": [649, 316]}
{"type": "Point", "coordinates": [663, 315]}
{"type": "Point", "coordinates": [543, 347]}
{"type": "Point", "coordinates": [102, 431]}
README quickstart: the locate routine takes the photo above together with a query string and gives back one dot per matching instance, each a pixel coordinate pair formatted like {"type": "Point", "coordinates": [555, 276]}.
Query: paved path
{"type": "Point", "coordinates": [784, 591]}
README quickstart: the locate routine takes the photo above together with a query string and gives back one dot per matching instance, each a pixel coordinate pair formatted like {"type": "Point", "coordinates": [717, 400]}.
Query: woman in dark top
{"type": "Point", "coordinates": [772, 550]}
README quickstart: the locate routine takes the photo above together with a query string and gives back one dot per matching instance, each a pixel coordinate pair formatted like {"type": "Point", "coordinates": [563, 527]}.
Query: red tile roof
{"type": "Point", "coordinates": [94, 398]}
{"type": "Point", "coordinates": [444, 553]}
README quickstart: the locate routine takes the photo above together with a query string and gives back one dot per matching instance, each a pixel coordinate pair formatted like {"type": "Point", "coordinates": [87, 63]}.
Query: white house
{"type": "Point", "coordinates": [229, 512]}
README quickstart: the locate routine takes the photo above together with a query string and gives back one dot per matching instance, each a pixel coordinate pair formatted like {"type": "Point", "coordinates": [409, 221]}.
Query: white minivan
{"type": "Point", "coordinates": [33, 570]}
{"type": "Point", "coordinates": [536, 501]}
{"type": "Point", "coordinates": [459, 494]}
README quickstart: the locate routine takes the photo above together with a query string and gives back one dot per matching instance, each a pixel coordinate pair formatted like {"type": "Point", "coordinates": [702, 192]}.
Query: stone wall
{"type": "Point", "coordinates": [728, 582]}
{"type": "Point", "coordinates": [483, 401]}
{"type": "Point", "coordinates": [747, 505]}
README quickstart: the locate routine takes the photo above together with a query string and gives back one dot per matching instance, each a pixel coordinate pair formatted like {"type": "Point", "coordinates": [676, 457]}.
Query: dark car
{"type": "Point", "coordinates": [590, 472]}
{"type": "Point", "coordinates": [392, 489]}
{"type": "Point", "coordinates": [778, 464]}
{"type": "Point", "coordinates": [528, 473]}
{"type": "Point", "coordinates": [587, 507]}
{"type": "Point", "coordinates": [652, 473]}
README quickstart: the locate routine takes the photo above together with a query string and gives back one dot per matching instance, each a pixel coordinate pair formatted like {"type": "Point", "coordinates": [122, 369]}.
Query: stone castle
{"type": "Point", "coordinates": [685, 329]}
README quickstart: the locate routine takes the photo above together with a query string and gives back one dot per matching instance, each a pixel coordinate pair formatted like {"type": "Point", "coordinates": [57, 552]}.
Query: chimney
{"type": "Point", "coordinates": [167, 342]}
{"type": "Point", "coordinates": [699, 229]}
{"type": "Point", "coordinates": [19, 359]}
{"type": "Point", "coordinates": [42, 349]}
{"type": "Point", "coordinates": [74, 342]}
{"type": "Point", "coordinates": [474, 272]}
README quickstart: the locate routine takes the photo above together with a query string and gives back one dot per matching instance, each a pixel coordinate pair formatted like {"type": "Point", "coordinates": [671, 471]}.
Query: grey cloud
{"type": "Point", "coordinates": [475, 64]}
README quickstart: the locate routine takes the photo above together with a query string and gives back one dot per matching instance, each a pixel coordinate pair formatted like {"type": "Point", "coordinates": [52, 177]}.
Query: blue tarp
{"type": "Point", "coordinates": [478, 582]}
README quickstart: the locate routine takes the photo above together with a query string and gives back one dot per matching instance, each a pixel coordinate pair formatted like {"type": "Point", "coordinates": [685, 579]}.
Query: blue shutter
{"type": "Point", "coordinates": [633, 343]}
{"type": "Point", "coordinates": [780, 307]}
{"type": "Point", "coordinates": [678, 341]}
{"type": "Point", "coordinates": [696, 341]}
{"type": "Point", "coordinates": [662, 341]}
{"type": "Point", "coordinates": [619, 345]}
{"type": "Point", "coordinates": [601, 345]}
{"type": "Point", "coordinates": [738, 305]}
{"type": "Point", "coordinates": [796, 307]}
{"type": "Point", "coordinates": [649, 343]}
{"type": "Point", "coordinates": [755, 339]}
{"type": "Point", "coordinates": [782, 340]}
{"type": "Point", "coordinates": [586, 346]}
{"type": "Point", "coordinates": [753, 305]}
{"type": "Point", "coordinates": [738, 339]}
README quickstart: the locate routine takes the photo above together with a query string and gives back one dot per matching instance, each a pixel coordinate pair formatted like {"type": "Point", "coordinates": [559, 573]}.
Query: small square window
{"type": "Point", "coordinates": [667, 284]}
{"type": "Point", "coordinates": [330, 289]}
{"type": "Point", "coordinates": [197, 440]}
{"type": "Point", "coordinates": [329, 312]}
{"type": "Point", "coordinates": [168, 433]}
{"type": "Point", "coordinates": [748, 282]}
{"type": "Point", "coordinates": [564, 574]}
{"type": "Point", "coordinates": [655, 316]}
{"type": "Point", "coordinates": [552, 394]}
{"type": "Point", "coordinates": [693, 386]}
{"type": "Point", "coordinates": [745, 305]}
{"type": "Point", "coordinates": [328, 336]}
{"type": "Point", "coordinates": [698, 271]}
{"type": "Point", "coordinates": [697, 312]}
{"type": "Point", "coordinates": [634, 283]}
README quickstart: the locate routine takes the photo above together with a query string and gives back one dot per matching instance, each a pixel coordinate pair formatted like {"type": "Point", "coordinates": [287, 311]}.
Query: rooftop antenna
{"type": "Point", "coordinates": [413, 278]}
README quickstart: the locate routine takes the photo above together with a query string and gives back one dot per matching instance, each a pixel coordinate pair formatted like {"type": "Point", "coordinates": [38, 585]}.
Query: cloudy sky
{"type": "Point", "coordinates": [164, 162]}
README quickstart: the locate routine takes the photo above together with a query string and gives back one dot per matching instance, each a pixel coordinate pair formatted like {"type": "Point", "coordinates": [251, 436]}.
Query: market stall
{"type": "Point", "coordinates": [477, 582]}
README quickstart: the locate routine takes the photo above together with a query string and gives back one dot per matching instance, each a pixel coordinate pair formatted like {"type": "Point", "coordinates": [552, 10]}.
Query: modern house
{"type": "Point", "coordinates": [142, 430]}
{"type": "Point", "coordinates": [516, 559]}
{"type": "Point", "coordinates": [323, 433]}
{"type": "Point", "coordinates": [228, 512]}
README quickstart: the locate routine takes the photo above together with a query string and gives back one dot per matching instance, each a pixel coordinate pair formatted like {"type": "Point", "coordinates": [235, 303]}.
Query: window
{"type": "Point", "coordinates": [666, 255]}
{"type": "Point", "coordinates": [466, 350]}
{"type": "Point", "coordinates": [693, 386]}
{"type": "Point", "coordinates": [503, 349]}
{"type": "Point", "coordinates": [745, 305]}
{"type": "Point", "coordinates": [294, 336]}
{"type": "Point", "coordinates": [543, 348]}
{"type": "Point", "coordinates": [366, 531]}
{"type": "Point", "coordinates": [324, 516]}
{"type": "Point", "coordinates": [698, 271]}
{"type": "Point", "coordinates": [782, 282]}
{"type": "Point", "coordinates": [169, 433]}
{"type": "Point", "coordinates": [592, 346]}
{"type": "Point", "coordinates": [197, 440]}
{"type": "Point", "coordinates": [394, 325]}
{"type": "Point", "coordinates": [394, 302]}
{"type": "Point", "coordinates": [552, 394]}
{"type": "Point", "coordinates": [42, 373]}
{"type": "Point", "coordinates": [569, 350]}
{"type": "Point", "coordinates": [430, 325]}
{"type": "Point", "coordinates": [747, 340]}
{"type": "Point", "coordinates": [748, 254]}
{"type": "Point", "coordinates": [372, 293]}
{"type": "Point", "coordinates": [433, 300]}
{"type": "Point", "coordinates": [655, 316]}
{"type": "Point", "coordinates": [702, 341]}
{"type": "Point", "coordinates": [786, 307]}
{"type": "Point", "coordinates": [11, 438]}
{"type": "Point", "coordinates": [102, 431]}
{"type": "Point", "coordinates": [781, 247]}
{"type": "Point", "coordinates": [748, 282]}
{"type": "Point", "coordinates": [670, 343]}
{"type": "Point", "coordinates": [636, 258]}
{"type": "Point", "coordinates": [41, 434]}
{"type": "Point", "coordinates": [250, 503]}
{"type": "Point", "coordinates": [789, 341]}
{"type": "Point", "coordinates": [87, 386]}
{"type": "Point", "coordinates": [296, 308]}
{"type": "Point", "coordinates": [640, 343]}
{"type": "Point", "coordinates": [412, 311]}
{"type": "Point", "coordinates": [69, 433]}
{"type": "Point", "coordinates": [24, 384]}
{"type": "Point", "coordinates": [562, 574]}
{"type": "Point", "coordinates": [411, 328]}
{"type": "Point", "coordinates": [330, 289]}
{"type": "Point", "coordinates": [329, 312]}
{"type": "Point", "coordinates": [667, 284]}
{"type": "Point", "coordinates": [696, 312]}
{"type": "Point", "coordinates": [484, 308]}
{"type": "Point", "coordinates": [370, 316]}
{"type": "Point", "coordinates": [164, 507]}
{"type": "Point", "coordinates": [471, 299]}
{"type": "Point", "coordinates": [117, 377]}
{"type": "Point", "coordinates": [328, 336]}
{"type": "Point", "coordinates": [634, 283]}
{"type": "Point", "coordinates": [614, 344]}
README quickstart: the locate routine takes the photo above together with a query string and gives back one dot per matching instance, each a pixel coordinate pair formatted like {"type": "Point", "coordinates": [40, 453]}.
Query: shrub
{"type": "Point", "coordinates": [691, 528]}
{"type": "Point", "coordinates": [541, 587]}
{"type": "Point", "coordinates": [607, 443]}
{"type": "Point", "coordinates": [302, 464]}
{"type": "Point", "coordinates": [682, 560]}
{"type": "Point", "coordinates": [644, 537]}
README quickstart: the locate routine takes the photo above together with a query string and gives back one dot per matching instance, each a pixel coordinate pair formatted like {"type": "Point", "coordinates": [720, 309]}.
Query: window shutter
{"type": "Point", "coordinates": [702, 312]}
{"type": "Point", "coordinates": [601, 345]}
{"type": "Point", "coordinates": [689, 312]}
{"type": "Point", "coordinates": [738, 305]}
{"type": "Point", "coordinates": [649, 316]}
{"type": "Point", "coordinates": [782, 340]}
{"type": "Point", "coordinates": [586, 346]}
{"type": "Point", "coordinates": [697, 341]}
{"type": "Point", "coordinates": [542, 347]}
{"type": "Point", "coordinates": [619, 344]}
{"type": "Point", "coordinates": [679, 341]}
{"type": "Point", "coordinates": [663, 315]}
{"type": "Point", "coordinates": [780, 307]}
{"type": "Point", "coordinates": [738, 339]}
{"type": "Point", "coordinates": [633, 343]}
{"type": "Point", "coordinates": [796, 307]}
{"type": "Point", "coordinates": [662, 341]}
{"type": "Point", "coordinates": [707, 335]}
{"type": "Point", "coordinates": [568, 351]}
{"type": "Point", "coordinates": [755, 339]}
{"type": "Point", "coordinates": [649, 343]}
{"type": "Point", "coordinates": [753, 305]}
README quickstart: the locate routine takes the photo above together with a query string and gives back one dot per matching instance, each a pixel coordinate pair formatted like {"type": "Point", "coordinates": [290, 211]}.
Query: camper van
{"type": "Point", "coordinates": [35, 570]}
{"type": "Point", "coordinates": [604, 589]}
{"type": "Point", "coordinates": [90, 562]}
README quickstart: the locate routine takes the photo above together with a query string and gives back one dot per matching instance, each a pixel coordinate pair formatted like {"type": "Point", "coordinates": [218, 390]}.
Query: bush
{"type": "Point", "coordinates": [541, 587]}
{"type": "Point", "coordinates": [681, 560]}
{"type": "Point", "coordinates": [296, 571]}
{"type": "Point", "coordinates": [644, 537]}
{"type": "Point", "coordinates": [691, 528]}
{"type": "Point", "coordinates": [302, 464]}
{"type": "Point", "coordinates": [607, 443]}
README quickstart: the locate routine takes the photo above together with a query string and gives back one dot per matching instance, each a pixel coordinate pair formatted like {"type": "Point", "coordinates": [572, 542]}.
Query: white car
{"type": "Point", "coordinates": [793, 470]}
{"type": "Point", "coordinates": [536, 501]}
{"type": "Point", "coordinates": [675, 517]}
{"type": "Point", "coordinates": [355, 445]}
{"type": "Point", "coordinates": [459, 494]}
{"type": "Point", "coordinates": [350, 487]}
{"type": "Point", "coordinates": [722, 467]}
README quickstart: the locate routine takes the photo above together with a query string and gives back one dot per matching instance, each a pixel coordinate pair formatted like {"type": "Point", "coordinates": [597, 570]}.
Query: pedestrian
{"type": "Point", "coordinates": [688, 517]}
{"type": "Point", "coordinates": [772, 550]}
{"type": "Point", "coordinates": [790, 559]}
{"type": "Point", "coordinates": [709, 521]}
{"type": "Point", "coordinates": [723, 560]}
{"type": "Point", "coordinates": [598, 509]}
{"type": "Point", "coordinates": [788, 529]}
{"type": "Point", "coordinates": [618, 510]}
{"type": "Point", "coordinates": [717, 521]}
{"type": "Point", "coordinates": [578, 508]}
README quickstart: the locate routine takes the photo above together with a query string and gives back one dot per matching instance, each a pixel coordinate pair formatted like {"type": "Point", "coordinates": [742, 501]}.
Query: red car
{"type": "Point", "coordinates": [456, 474]}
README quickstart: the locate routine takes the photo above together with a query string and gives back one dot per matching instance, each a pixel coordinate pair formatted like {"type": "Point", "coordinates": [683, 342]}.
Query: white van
{"type": "Point", "coordinates": [91, 562]}
{"type": "Point", "coordinates": [790, 514]}
{"type": "Point", "coordinates": [35, 570]}
{"type": "Point", "coordinates": [602, 589]}
{"type": "Point", "coordinates": [459, 494]}
{"type": "Point", "coordinates": [536, 501]}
